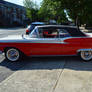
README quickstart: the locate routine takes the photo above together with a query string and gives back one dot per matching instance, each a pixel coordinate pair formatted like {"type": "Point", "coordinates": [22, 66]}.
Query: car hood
{"type": "Point", "coordinates": [12, 37]}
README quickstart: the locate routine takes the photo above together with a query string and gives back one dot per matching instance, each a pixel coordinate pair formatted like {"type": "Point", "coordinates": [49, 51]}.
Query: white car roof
{"type": "Point", "coordinates": [56, 26]}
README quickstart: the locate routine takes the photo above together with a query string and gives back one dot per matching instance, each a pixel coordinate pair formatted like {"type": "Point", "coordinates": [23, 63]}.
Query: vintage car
{"type": "Point", "coordinates": [48, 40]}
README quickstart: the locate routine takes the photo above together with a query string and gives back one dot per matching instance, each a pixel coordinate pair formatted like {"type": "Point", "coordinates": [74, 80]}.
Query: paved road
{"type": "Point", "coordinates": [52, 74]}
{"type": "Point", "coordinates": [11, 31]}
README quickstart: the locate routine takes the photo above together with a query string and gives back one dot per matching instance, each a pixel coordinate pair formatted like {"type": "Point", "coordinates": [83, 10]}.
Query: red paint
{"type": "Point", "coordinates": [69, 48]}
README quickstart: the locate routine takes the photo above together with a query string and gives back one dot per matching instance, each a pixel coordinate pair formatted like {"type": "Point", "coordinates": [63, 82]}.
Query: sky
{"type": "Point", "coordinates": [20, 2]}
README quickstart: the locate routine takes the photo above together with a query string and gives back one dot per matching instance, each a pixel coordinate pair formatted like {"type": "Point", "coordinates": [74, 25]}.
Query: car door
{"type": "Point", "coordinates": [67, 46]}
{"type": "Point", "coordinates": [50, 44]}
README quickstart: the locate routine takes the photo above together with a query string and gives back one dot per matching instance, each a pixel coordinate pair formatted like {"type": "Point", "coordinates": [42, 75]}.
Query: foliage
{"type": "Point", "coordinates": [80, 11]}
{"type": "Point", "coordinates": [52, 10]}
{"type": "Point", "coordinates": [31, 10]}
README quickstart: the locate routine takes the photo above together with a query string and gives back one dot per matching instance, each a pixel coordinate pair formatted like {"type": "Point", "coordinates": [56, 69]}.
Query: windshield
{"type": "Point", "coordinates": [34, 25]}
{"type": "Point", "coordinates": [33, 34]}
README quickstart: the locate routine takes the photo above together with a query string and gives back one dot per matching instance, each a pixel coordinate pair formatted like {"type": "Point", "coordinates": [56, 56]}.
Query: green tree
{"type": "Point", "coordinates": [52, 10]}
{"type": "Point", "coordinates": [78, 10]}
{"type": "Point", "coordinates": [31, 10]}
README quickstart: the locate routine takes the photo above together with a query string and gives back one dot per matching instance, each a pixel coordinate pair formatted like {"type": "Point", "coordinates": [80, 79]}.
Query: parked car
{"type": "Point", "coordinates": [49, 40]}
{"type": "Point", "coordinates": [32, 26]}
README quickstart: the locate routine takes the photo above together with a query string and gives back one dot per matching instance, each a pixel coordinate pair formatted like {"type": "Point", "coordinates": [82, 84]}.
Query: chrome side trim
{"type": "Point", "coordinates": [35, 40]}
{"type": "Point", "coordinates": [84, 50]}
{"type": "Point", "coordinates": [38, 40]}
{"type": "Point", "coordinates": [72, 38]}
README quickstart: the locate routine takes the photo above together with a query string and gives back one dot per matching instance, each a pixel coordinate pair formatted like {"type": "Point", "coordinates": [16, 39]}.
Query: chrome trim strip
{"type": "Point", "coordinates": [35, 40]}
{"type": "Point", "coordinates": [84, 50]}
{"type": "Point", "coordinates": [27, 39]}
{"type": "Point", "coordinates": [72, 37]}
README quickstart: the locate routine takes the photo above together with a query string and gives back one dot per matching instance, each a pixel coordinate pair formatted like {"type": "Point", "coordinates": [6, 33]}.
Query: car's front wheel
{"type": "Point", "coordinates": [12, 54]}
{"type": "Point", "coordinates": [86, 55]}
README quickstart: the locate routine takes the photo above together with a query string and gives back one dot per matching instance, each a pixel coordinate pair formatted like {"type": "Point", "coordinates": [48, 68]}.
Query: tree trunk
{"type": "Point", "coordinates": [77, 22]}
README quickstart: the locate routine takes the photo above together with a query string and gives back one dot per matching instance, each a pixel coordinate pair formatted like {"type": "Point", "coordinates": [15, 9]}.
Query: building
{"type": "Point", "coordinates": [11, 14]}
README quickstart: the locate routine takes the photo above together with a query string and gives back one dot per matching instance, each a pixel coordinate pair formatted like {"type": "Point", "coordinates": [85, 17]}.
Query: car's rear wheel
{"type": "Point", "coordinates": [12, 54]}
{"type": "Point", "coordinates": [86, 55]}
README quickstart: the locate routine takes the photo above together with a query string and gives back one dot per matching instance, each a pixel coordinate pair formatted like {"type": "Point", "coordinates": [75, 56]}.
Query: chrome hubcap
{"type": "Point", "coordinates": [86, 55]}
{"type": "Point", "coordinates": [13, 54]}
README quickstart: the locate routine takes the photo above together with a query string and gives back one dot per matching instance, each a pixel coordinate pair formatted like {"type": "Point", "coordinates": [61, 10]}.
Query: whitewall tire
{"type": "Point", "coordinates": [86, 55]}
{"type": "Point", "coordinates": [12, 54]}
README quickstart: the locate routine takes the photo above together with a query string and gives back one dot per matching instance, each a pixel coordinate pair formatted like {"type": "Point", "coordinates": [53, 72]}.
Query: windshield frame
{"type": "Point", "coordinates": [34, 30]}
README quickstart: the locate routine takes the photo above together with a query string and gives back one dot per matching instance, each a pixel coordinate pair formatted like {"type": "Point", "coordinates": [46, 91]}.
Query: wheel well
{"type": "Point", "coordinates": [6, 48]}
{"type": "Point", "coordinates": [78, 53]}
{"type": "Point", "coordinates": [80, 50]}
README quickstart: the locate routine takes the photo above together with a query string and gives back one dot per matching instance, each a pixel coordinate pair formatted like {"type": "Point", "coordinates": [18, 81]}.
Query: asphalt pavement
{"type": "Point", "coordinates": [11, 31]}
{"type": "Point", "coordinates": [45, 74]}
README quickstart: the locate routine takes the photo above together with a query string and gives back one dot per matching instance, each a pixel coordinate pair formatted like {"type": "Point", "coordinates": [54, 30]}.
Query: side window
{"type": "Point", "coordinates": [48, 33]}
{"type": "Point", "coordinates": [63, 33]}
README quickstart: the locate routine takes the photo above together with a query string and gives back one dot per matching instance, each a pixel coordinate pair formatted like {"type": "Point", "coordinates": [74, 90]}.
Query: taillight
{"type": "Point", "coordinates": [27, 31]}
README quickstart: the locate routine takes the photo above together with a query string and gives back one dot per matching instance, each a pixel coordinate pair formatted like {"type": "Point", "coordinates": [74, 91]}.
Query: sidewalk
{"type": "Point", "coordinates": [72, 75]}
{"type": "Point", "coordinates": [30, 79]}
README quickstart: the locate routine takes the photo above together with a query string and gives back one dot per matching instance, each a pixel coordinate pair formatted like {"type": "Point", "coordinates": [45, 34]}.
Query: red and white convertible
{"type": "Point", "coordinates": [48, 40]}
